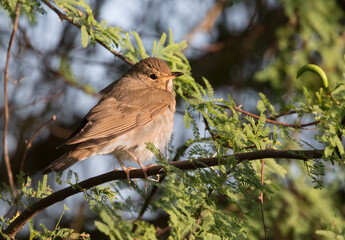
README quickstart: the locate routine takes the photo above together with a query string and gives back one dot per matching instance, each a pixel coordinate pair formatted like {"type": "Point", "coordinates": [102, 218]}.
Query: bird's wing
{"type": "Point", "coordinates": [112, 117]}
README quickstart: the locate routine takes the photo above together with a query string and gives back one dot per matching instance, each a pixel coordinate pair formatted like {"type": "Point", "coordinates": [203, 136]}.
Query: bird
{"type": "Point", "coordinates": [136, 109]}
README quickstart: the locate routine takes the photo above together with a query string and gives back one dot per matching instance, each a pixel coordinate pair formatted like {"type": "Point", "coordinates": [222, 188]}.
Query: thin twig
{"type": "Point", "coordinates": [164, 230]}
{"type": "Point", "coordinates": [239, 109]}
{"type": "Point", "coordinates": [29, 144]}
{"type": "Point", "coordinates": [198, 215]}
{"type": "Point", "coordinates": [208, 21]}
{"type": "Point", "coordinates": [274, 117]}
{"type": "Point", "coordinates": [261, 198]}
{"type": "Point", "coordinates": [146, 204]}
{"type": "Point", "coordinates": [42, 99]}
{"type": "Point", "coordinates": [19, 222]}
{"type": "Point", "coordinates": [45, 62]}
{"type": "Point", "coordinates": [70, 20]}
{"type": "Point", "coordinates": [7, 114]}
{"type": "Point", "coordinates": [180, 151]}
{"type": "Point", "coordinates": [149, 199]}
{"type": "Point", "coordinates": [214, 136]}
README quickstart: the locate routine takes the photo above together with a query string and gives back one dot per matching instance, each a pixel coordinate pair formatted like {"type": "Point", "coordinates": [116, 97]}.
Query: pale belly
{"type": "Point", "coordinates": [158, 132]}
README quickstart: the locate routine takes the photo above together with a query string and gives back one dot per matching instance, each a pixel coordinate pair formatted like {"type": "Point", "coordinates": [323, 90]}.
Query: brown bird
{"type": "Point", "coordinates": [136, 109]}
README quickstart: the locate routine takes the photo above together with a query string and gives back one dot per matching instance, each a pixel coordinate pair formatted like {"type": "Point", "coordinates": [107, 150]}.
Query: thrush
{"type": "Point", "coordinates": [134, 110]}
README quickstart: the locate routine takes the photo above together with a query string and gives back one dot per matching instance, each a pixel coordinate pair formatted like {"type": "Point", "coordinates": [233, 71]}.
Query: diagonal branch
{"type": "Point", "coordinates": [70, 20]}
{"type": "Point", "coordinates": [179, 151]}
{"type": "Point", "coordinates": [208, 21]}
{"type": "Point", "coordinates": [7, 115]}
{"type": "Point", "coordinates": [58, 196]}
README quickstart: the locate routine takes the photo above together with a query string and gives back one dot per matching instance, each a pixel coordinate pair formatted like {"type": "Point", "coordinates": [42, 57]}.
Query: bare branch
{"type": "Point", "coordinates": [274, 117]}
{"type": "Point", "coordinates": [261, 197]}
{"type": "Point", "coordinates": [179, 151]}
{"type": "Point", "coordinates": [58, 196]}
{"type": "Point", "coordinates": [7, 114]}
{"type": "Point", "coordinates": [239, 109]}
{"type": "Point", "coordinates": [162, 231]}
{"type": "Point", "coordinates": [29, 144]}
{"type": "Point", "coordinates": [42, 99]}
{"type": "Point", "coordinates": [57, 73]}
{"type": "Point", "coordinates": [208, 21]}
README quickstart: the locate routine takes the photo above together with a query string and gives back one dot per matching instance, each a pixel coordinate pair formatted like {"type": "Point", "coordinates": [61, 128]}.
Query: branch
{"type": "Point", "coordinates": [162, 231]}
{"type": "Point", "coordinates": [29, 144]}
{"type": "Point", "coordinates": [57, 73]}
{"type": "Point", "coordinates": [239, 109]}
{"type": "Point", "coordinates": [208, 21]}
{"type": "Point", "coordinates": [70, 20]}
{"type": "Point", "coordinates": [274, 117]}
{"type": "Point", "coordinates": [179, 152]}
{"type": "Point", "coordinates": [58, 196]}
{"type": "Point", "coordinates": [7, 115]}
{"type": "Point", "coordinates": [261, 198]}
{"type": "Point", "coordinates": [42, 99]}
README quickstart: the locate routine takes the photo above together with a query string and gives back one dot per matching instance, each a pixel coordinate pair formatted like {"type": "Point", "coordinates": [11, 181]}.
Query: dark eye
{"type": "Point", "coordinates": [153, 76]}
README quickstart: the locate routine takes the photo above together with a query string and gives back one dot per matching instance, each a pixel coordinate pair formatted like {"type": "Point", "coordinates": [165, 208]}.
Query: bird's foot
{"type": "Point", "coordinates": [127, 171]}
{"type": "Point", "coordinates": [145, 173]}
{"type": "Point", "coordinates": [144, 168]}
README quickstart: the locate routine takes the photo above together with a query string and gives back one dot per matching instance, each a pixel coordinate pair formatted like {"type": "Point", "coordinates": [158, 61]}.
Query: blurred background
{"type": "Point", "coordinates": [241, 47]}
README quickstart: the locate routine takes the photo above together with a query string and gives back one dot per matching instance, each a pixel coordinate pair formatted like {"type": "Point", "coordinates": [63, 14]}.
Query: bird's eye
{"type": "Point", "coordinates": [153, 76]}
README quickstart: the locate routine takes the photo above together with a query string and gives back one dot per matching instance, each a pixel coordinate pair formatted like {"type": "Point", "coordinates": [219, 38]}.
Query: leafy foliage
{"type": "Point", "coordinates": [31, 8]}
{"type": "Point", "coordinates": [218, 202]}
{"type": "Point", "coordinates": [310, 36]}
{"type": "Point", "coordinates": [58, 232]}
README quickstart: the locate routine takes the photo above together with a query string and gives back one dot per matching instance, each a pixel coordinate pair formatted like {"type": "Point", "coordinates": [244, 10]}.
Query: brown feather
{"type": "Point", "coordinates": [103, 122]}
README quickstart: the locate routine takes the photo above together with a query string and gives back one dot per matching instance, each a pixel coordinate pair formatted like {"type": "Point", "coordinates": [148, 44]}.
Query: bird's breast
{"type": "Point", "coordinates": [158, 131]}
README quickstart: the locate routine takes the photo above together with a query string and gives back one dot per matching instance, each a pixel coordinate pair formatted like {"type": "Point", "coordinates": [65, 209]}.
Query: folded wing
{"type": "Point", "coordinates": [114, 116]}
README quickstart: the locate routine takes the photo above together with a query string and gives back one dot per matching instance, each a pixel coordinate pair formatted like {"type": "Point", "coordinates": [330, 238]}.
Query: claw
{"type": "Point", "coordinates": [144, 168]}
{"type": "Point", "coordinates": [145, 175]}
{"type": "Point", "coordinates": [127, 171]}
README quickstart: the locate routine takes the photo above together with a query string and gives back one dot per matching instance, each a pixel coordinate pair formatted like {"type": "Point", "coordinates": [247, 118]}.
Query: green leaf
{"type": "Point", "coordinates": [140, 45]}
{"type": "Point", "coordinates": [209, 88]}
{"type": "Point", "coordinates": [261, 106]}
{"type": "Point", "coordinates": [154, 47]}
{"type": "Point", "coordinates": [102, 227]}
{"type": "Point", "coordinates": [65, 208]}
{"type": "Point", "coordinates": [84, 36]}
{"type": "Point", "coordinates": [327, 234]}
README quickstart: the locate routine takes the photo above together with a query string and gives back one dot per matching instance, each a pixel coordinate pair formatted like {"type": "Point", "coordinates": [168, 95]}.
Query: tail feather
{"type": "Point", "coordinates": [67, 160]}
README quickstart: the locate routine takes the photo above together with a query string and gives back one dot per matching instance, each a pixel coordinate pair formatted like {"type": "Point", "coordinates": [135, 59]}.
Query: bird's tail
{"type": "Point", "coordinates": [67, 160]}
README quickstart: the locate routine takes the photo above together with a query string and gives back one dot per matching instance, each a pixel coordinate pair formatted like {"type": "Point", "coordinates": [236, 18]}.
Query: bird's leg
{"type": "Point", "coordinates": [166, 153]}
{"type": "Point", "coordinates": [142, 167]}
{"type": "Point", "coordinates": [126, 170]}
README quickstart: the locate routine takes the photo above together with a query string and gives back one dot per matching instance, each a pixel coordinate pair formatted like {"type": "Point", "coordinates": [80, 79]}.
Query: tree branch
{"type": "Point", "coordinates": [58, 196]}
{"type": "Point", "coordinates": [7, 114]}
{"type": "Point", "coordinates": [261, 198]}
{"type": "Point", "coordinates": [268, 120]}
{"type": "Point", "coordinates": [179, 152]}
{"type": "Point", "coordinates": [29, 144]}
{"type": "Point", "coordinates": [281, 114]}
{"type": "Point", "coordinates": [70, 20]}
{"type": "Point", "coordinates": [208, 21]}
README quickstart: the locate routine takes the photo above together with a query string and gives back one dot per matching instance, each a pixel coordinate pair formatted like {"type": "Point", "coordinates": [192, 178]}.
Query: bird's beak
{"type": "Point", "coordinates": [177, 74]}
{"type": "Point", "coordinates": [172, 76]}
